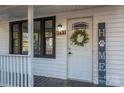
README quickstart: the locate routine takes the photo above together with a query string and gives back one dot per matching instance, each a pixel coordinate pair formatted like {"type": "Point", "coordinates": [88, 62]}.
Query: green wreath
{"type": "Point", "coordinates": [79, 37]}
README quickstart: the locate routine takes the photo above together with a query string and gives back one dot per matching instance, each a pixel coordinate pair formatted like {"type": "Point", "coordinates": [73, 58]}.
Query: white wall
{"type": "Point", "coordinates": [114, 18]}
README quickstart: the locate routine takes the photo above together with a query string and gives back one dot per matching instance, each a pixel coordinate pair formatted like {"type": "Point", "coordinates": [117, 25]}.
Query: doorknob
{"type": "Point", "coordinates": [69, 53]}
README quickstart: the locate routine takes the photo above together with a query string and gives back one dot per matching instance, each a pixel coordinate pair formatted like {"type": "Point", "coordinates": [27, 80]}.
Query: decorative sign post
{"type": "Point", "coordinates": [101, 54]}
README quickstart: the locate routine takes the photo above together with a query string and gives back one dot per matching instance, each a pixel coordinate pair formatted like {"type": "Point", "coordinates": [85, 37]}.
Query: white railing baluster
{"type": "Point", "coordinates": [1, 66]}
{"type": "Point", "coordinates": [14, 61]}
{"type": "Point", "coordinates": [0, 70]}
{"type": "Point", "coordinates": [7, 70]}
{"type": "Point", "coordinates": [25, 71]}
{"type": "Point", "coordinates": [18, 61]}
{"type": "Point", "coordinates": [11, 69]}
{"type": "Point", "coordinates": [30, 76]}
{"type": "Point", "coordinates": [21, 63]}
{"type": "Point", "coordinates": [4, 69]}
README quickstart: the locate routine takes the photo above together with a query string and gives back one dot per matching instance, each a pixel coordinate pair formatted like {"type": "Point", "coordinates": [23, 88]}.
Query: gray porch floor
{"type": "Point", "coordinates": [40, 81]}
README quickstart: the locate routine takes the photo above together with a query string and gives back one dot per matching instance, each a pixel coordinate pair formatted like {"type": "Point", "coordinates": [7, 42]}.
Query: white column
{"type": "Point", "coordinates": [30, 30]}
{"type": "Point", "coordinates": [30, 46]}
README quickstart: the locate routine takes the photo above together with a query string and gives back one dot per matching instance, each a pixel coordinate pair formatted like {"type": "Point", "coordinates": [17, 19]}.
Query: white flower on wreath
{"type": "Point", "coordinates": [80, 38]}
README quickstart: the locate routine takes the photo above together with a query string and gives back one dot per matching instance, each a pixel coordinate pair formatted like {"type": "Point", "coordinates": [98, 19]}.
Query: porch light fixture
{"type": "Point", "coordinates": [60, 30]}
{"type": "Point", "coordinates": [59, 27]}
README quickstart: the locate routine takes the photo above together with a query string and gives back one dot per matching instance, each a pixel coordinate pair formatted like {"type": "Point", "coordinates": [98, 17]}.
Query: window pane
{"type": "Point", "coordinates": [48, 34]}
{"type": "Point", "coordinates": [37, 26]}
{"type": "Point", "coordinates": [15, 38]}
{"type": "Point", "coordinates": [15, 35]}
{"type": "Point", "coordinates": [15, 42]}
{"type": "Point", "coordinates": [24, 38]}
{"type": "Point", "coordinates": [49, 46]}
{"type": "Point", "coordinates": [15, 50]}
{"type": "Point", "coordinates": [49, 37]}
{"type": "Point", "coordinates": [48, 28]}
{"type": "Point", "coordinates": [37, 36]}
{"type": "Point", "coordinates": [15, 27]}
{"type": "Point", "coordinates": [48, 24]}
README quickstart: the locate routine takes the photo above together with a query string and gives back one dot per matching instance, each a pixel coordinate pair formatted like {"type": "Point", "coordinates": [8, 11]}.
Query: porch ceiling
{"type": "Point", "coordinates": [20, 11]}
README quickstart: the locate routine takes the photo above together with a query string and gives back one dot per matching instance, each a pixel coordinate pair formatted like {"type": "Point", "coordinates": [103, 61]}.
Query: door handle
{"type": "Point", "coordinates": [69, 53]}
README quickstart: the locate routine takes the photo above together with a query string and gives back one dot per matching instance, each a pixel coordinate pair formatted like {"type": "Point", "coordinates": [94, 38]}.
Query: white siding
{"type": "Point", "coordinates": [114, 18]}
{"type": "Point", "coordinates": [4, 37]}
{"type": "Point", "coordinates": [114, 45]}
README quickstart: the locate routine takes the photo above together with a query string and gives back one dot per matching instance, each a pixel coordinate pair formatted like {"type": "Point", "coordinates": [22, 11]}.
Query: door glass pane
{"type": "Point", "coordinates": [37, 40]}
{"type": "Point", "coordinates": [24, 38]}
{"type": "Point", "coordinates": [49, 46]}
{"type": "Point", "coordinates": [15, 39]}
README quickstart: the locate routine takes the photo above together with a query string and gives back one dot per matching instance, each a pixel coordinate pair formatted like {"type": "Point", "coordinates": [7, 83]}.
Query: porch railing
{"type": "Point", "coordinates": [15, 70]}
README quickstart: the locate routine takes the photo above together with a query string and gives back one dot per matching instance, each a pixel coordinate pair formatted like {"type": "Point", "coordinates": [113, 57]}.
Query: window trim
{"type": "Point", "coordinates": [42, 21]}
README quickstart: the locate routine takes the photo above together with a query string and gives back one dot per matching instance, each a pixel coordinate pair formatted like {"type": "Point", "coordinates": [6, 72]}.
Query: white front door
{"type": "Point", "coordinates": [80, 58]}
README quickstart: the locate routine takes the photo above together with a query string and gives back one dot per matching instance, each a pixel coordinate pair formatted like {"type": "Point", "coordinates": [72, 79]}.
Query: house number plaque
{"type": "Point", "coordinates": [101, 54]}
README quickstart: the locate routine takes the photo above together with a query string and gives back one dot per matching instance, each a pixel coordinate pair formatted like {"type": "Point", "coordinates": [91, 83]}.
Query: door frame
{"type": "Point", "coordinates": [68, 49]}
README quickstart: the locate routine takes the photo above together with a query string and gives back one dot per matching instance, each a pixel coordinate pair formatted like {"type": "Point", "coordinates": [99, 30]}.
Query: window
{"type": "Point", "coordinates": [44, 37]}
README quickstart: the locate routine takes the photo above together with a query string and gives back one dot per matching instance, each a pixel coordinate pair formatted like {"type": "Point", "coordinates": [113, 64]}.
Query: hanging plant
{"type": "Point", "coordinates": [79, 37]}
